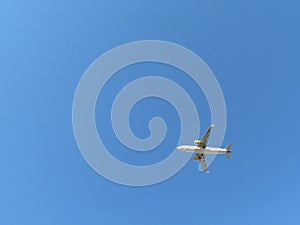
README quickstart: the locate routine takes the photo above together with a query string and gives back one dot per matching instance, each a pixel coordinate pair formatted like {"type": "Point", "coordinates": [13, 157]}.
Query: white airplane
{"type": "Point", "coordinates": [201, 149]}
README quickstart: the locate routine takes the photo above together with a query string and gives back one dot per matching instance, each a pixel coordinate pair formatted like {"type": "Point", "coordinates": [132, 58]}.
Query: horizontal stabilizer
{"type": "Point", "coordinates": [228, 148]}
{"type": "Point", "coordinates": [227, 155]}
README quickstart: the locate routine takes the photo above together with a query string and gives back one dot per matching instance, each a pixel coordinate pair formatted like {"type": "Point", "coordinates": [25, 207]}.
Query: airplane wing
{"type": "Point", "coordinates": [202, 161]}
{"type": "Point", "coordinates": [205, 137]}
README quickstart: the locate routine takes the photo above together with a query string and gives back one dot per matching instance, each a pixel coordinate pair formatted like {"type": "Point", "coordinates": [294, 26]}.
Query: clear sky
{"type": "Point", "coordinates": [251, 46]}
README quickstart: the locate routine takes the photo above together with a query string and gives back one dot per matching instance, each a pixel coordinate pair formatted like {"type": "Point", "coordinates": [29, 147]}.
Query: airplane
{"type": "Point", "coordinates": [201, 149]}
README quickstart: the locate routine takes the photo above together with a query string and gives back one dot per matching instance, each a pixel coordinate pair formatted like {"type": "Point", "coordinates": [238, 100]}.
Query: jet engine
{"type": "Point", "coordinates": [197, 142]}
{"type": "Point", "coordinates": [196, 157]}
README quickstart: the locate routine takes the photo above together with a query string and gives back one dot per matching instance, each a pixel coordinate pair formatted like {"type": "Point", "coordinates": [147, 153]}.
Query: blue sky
{"type": "Point", "coordinates": [252, 48]}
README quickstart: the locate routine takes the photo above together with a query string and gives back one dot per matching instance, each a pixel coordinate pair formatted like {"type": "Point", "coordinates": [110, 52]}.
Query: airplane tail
{"type": "Point", "coordinates": [228, 151]}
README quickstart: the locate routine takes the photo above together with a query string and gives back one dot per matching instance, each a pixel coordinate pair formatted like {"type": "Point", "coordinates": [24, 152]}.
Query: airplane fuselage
{"type": "Point", "coordinates": [207, 150]}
